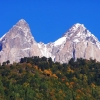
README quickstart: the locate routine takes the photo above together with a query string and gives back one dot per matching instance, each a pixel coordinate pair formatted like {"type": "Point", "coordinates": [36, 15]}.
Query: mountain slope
{"type": "Point", "coordinates": [77, 42]}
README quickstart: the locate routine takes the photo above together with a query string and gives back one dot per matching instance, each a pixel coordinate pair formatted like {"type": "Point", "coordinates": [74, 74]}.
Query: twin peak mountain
{"type": "Point", "coordinates": [77, 42]}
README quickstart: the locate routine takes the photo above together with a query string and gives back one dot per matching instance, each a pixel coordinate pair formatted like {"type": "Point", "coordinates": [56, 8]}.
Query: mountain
{"type": "Point", "coordinates": [77, 42]}
{"type": "Point", "coordinates": [18, 42]}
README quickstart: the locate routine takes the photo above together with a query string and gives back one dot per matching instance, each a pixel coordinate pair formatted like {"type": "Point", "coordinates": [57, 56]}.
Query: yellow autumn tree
{"type": "Point", "coordinates": [55, 76]}
{"type": "Point", "coordinates": [47, 72]}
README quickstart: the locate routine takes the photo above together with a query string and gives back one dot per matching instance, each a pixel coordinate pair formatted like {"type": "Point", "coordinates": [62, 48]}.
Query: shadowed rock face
{"type": "Point", "coordinates": [77, 42]}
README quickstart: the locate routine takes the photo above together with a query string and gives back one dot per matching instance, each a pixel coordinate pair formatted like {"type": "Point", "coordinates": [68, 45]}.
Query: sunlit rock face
{"type": "Point", "coordinates": [18, 42]}
{"type": "Point", "coordinates": [77, 42]}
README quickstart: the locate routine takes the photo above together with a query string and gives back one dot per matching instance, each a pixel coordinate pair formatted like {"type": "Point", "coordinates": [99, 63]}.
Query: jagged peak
{"type": "Point", "coordinates": [21, 28]}
{"type": "Point", "coordinates": [76, 26]}
{"type": "Point", "coordinates": [75, 29]}
{"type": "Point", "coordinates": [22, 23]}
{"type": "Point", "coordinates": [78, 32]}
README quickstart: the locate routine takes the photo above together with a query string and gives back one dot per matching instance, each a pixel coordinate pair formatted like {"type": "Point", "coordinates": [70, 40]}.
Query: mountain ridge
{"type": "Point", "coordinates": [18, 42]}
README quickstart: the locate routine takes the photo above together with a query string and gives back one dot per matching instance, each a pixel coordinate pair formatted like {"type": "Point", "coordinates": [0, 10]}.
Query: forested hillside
{"type": "Point", "coordinates": [37, 78]}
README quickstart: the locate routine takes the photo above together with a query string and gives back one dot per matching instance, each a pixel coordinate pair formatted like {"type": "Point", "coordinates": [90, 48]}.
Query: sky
{"type": "Point", "coordinates": [50, 19]}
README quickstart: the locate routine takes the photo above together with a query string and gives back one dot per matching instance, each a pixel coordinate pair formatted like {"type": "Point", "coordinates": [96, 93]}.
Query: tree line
{"type": "Point", "coordinates": [35, 78]}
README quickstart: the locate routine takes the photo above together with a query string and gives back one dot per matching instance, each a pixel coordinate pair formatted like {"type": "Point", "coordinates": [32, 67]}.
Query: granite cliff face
{"type": "Point", "coordinates": [77, 42]}
{"type": "Point", "coordinates": [18, 43]}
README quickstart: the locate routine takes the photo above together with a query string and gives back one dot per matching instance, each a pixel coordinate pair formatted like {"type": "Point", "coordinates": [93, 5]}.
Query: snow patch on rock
{"type": "Point", "coordinates": [60, 41]}
{"type": "Point", "coordinates": [76, 40]}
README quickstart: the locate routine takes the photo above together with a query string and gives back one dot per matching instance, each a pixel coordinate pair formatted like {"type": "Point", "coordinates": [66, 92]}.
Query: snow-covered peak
{"type": "Point", "coordinates": [75, 26]}
{"type": "Point", "coordinates": [78, 32]}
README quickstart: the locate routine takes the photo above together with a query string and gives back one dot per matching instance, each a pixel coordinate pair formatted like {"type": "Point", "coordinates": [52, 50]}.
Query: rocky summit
{"type": "Point", "coordinates": [77, 42]}
{"type": "Point", "coordinates": [18, 43]}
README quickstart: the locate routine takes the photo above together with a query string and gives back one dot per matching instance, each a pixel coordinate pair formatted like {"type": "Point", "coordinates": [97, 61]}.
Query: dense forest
{"type": "Point", "coordinates": [37, 78]}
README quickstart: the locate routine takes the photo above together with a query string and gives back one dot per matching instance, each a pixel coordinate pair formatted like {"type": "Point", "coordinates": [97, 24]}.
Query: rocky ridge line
{"type": "Point", "coordinates": [77, 42]}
